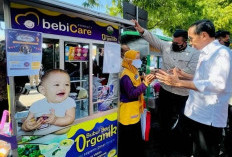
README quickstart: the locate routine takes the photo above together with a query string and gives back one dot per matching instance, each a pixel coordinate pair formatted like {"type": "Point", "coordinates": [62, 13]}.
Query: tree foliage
{"type": "Point", "coordinates": [170, 15]}
{"type": "Point", "coordinates": [90, 3]}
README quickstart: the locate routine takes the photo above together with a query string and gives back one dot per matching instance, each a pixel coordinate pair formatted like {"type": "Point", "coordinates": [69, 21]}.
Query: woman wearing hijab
{"type": "Point", "coordinates": [131, 105]}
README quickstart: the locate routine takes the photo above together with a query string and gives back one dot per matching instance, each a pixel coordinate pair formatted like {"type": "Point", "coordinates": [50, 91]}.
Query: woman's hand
{"type": "Point", "coordinates": [149, 78]}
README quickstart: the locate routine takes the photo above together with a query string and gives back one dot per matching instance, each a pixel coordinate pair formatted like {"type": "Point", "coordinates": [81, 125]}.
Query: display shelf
{"type": "Point", "coordinates": [78, 81]}
{"type": "Point", "coordinates": [109, 99]}
{"type": "Point", "coordinates": [77, 61]}
{"type": "Point", "coordinates": [81, 99]}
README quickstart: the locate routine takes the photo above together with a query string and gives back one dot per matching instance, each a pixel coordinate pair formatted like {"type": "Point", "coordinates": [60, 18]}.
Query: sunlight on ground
{"type": "Point", "coordinates": [33, 96]}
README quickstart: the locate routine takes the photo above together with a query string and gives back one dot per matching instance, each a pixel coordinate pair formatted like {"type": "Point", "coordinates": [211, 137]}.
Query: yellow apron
{"type": "Point", "coordinates": [129, 113]}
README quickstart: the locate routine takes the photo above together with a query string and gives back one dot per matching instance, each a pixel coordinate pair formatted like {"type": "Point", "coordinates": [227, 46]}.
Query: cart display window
{"type": "Point", "coordinates": [105, 90]}
{"type": "Point", "coordinates": [77, 65]}
{"type": "Point", "coordinates": [50, 58]}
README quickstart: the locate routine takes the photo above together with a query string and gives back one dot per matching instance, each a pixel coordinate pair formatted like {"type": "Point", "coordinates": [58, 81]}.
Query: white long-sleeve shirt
{"type": "Point", "coordinates": [213, 78]}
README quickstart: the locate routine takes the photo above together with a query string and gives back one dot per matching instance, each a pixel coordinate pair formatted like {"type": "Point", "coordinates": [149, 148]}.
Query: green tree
{"type": "Point", "coordinates": [91, 3]}
{"type": "Point", "coordinates": [170, 15]}
{"type": "Point", "coordinates": [219, 11]}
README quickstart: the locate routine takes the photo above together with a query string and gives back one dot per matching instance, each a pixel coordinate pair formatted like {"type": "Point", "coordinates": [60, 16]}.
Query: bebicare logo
{"type": "Point", "coordinates": [29, 19]}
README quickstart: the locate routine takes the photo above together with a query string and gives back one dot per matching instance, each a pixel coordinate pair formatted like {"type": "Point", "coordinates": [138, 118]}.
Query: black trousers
{"type": "Point", "coordinates": [170, 108]}
{"type": "Point", "coordinates": [206, 139]}
{"type": "Point", "coordinates": [130, 142]}
{"type": "Point", "coordinates": [228, 134]}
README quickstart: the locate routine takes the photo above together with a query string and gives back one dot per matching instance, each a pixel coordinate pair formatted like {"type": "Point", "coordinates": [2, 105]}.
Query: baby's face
{"type": "Point", "coordinates": [56, 87]}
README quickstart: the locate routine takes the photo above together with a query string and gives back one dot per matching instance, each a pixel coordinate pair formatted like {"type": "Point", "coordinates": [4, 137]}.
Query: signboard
{"type": "Point", "coordinates": [46, 21]}
{"type": "Point", "coordinates": [131, 11]}
{"type": "Point", "coordinates": [93, 138]}
{"type": "Point", "coordinates": [24, 52]}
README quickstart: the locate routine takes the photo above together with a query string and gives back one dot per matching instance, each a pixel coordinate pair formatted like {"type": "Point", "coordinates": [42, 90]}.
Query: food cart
{"type": "Point", "coordinates": [72, 38]}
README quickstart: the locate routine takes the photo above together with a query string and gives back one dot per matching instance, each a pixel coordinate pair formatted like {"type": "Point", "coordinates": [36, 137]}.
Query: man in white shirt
{"type": "Point", "coordinates": [206, 109]}
{"type": "Point", "coordinates": [171, 101]}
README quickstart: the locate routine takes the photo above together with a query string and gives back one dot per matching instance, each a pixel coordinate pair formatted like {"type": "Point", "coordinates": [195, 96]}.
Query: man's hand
{"type": "Point", "coordinates": [138, 27]}
{"type": "Point", "coordinates": [168, 78]}
{"type": "Point", "coordinates": [181, 74]}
